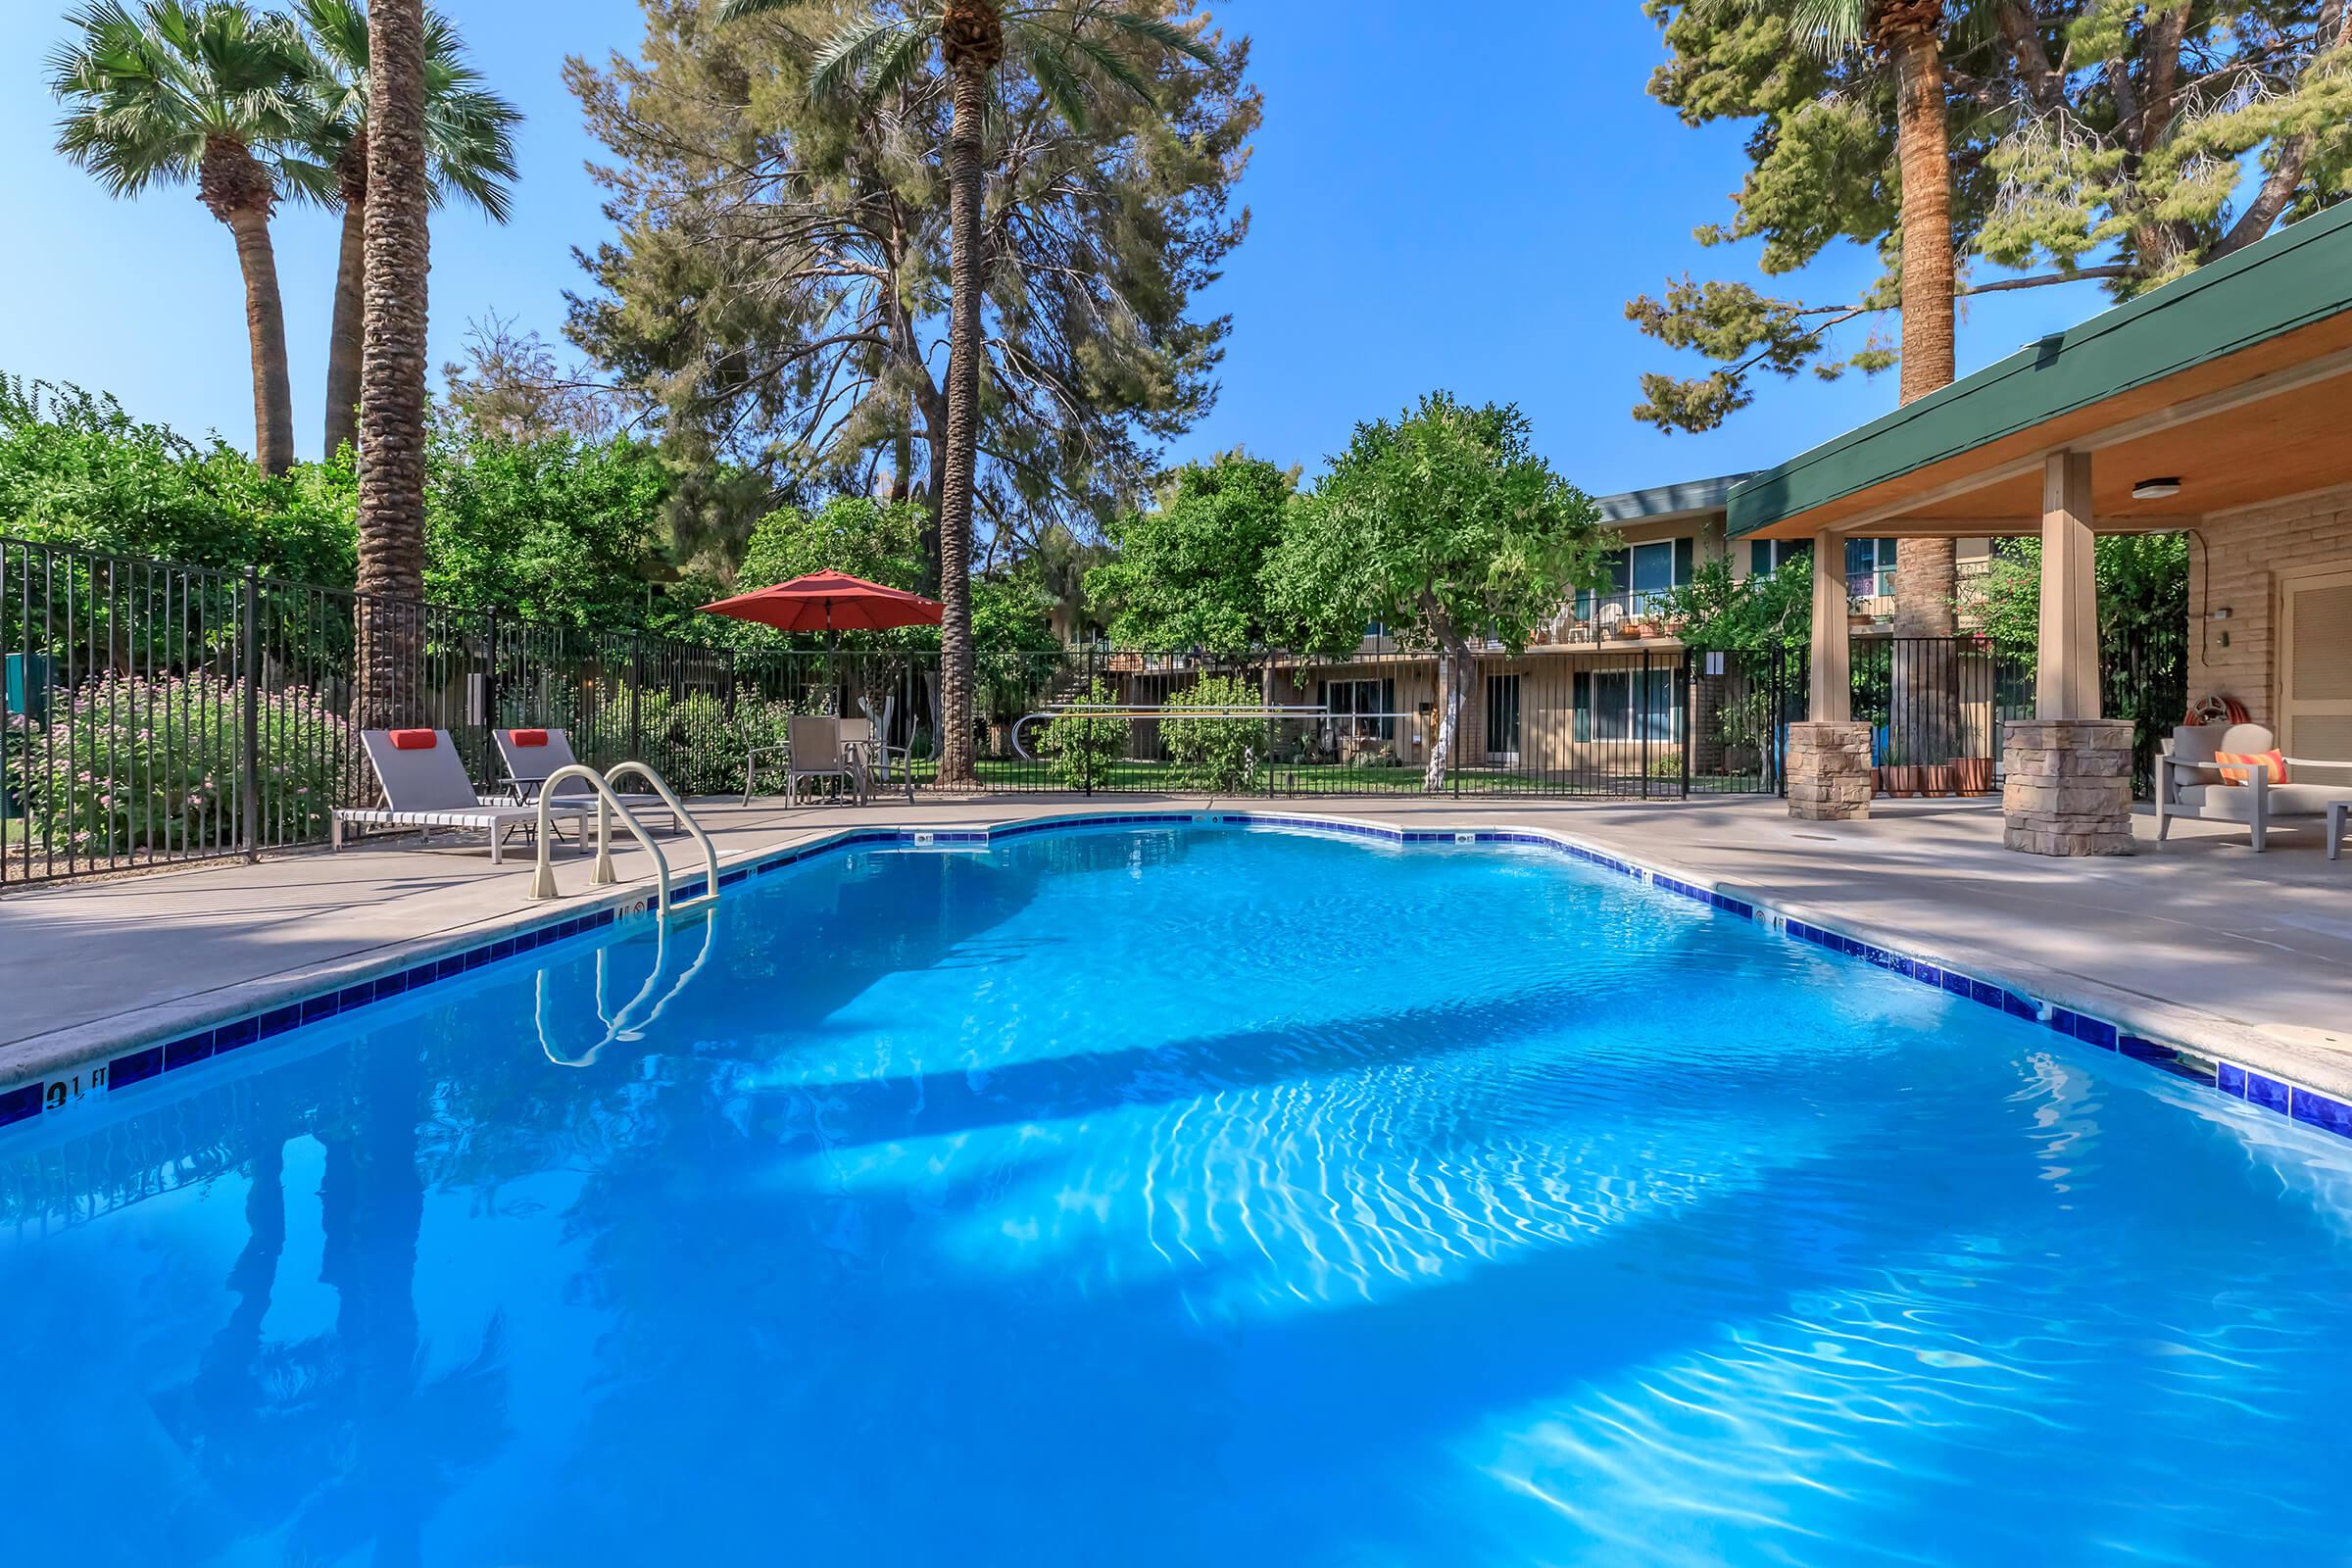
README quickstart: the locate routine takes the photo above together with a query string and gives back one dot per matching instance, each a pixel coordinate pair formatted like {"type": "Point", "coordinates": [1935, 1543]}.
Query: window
{"type": "Point", "coordinates": [1606, 708]}
{"type": "Point", "coordinates": [1503, 715]}
{"type": "Point", "coordinates": [1869, 568]}
{"type": "Point", "coordinates": [1638, 574]}
{"type": "Point", "coordinates": [1770, 555]}
{"type": "Point", "coordinates": [1366, 708]}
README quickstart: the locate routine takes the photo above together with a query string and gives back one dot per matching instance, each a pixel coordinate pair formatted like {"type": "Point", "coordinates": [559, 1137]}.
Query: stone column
{"type": "Point", "coordinates": [2067, 772]}
{"type": "Point", "coordinates": [1829, 772]}
{"type": "Point", "coordinates": [2067, 786]}
{"type": "Point", "coordinates": [1829, 755]}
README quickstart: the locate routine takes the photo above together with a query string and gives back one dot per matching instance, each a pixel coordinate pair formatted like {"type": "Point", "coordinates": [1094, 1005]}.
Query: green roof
{"type": "Point", "coordinates": [1668, 499]}
{"type": "Point", "coordinates": [2301, 274]}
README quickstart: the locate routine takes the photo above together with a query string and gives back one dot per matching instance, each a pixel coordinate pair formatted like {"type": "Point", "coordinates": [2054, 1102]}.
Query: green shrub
{"type": "Point", "coordinates": [1221, 755]}
{"type": "Point", "coordinates": [1083, 748]}
{"type": "Point", "coordinates": [698, 747]}
{"type": "Point", "coordinates": [154, 764]}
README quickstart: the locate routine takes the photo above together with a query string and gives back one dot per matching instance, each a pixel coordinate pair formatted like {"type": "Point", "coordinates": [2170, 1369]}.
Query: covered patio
{"type": "Point", "coordinates": [2219, 405]}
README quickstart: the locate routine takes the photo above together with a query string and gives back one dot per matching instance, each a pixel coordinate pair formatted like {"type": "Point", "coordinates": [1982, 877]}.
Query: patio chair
{"type": "Point", "coordinates": [425, 787]}
{"type": "Point", "coordinates": [873, 758]}
{"type": "Point", "coordinates": [2190, 784]}
{"type": "Point", "coordinates": [812, 749]}
{"type": "Point", "coordinates": [533, 756]}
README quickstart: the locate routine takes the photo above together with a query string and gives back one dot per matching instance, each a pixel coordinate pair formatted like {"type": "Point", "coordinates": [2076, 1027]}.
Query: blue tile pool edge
{"type": "Point", "coordinates": [143, 1059]}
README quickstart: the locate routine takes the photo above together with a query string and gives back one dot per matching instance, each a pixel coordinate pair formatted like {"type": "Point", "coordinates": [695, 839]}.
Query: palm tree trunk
{"type": "Point", "coordinates": [392, 362]}
{"type": "Point", "coordinates": [1924, 571]}
{"type": "Point", "coordinates": [343, 335]}
{"type": "Point", "coordinates": [964, 429]}
{"type": "Point", "coordinates": [265, 330]}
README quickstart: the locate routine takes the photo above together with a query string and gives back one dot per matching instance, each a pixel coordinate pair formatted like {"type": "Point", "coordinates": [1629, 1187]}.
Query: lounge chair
{"type": "Point", "coordinates": [425, 786]}
{"type": "Point", "coordinates": [872, 758]}
{"type": "Point", "coordinates": [533, 756]}
{"type": "Point", "coordinates": [2189, 784]}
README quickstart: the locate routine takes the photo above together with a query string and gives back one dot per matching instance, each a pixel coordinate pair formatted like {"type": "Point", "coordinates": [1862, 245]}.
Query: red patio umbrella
{"type": "Point", "coordinates": [830, 601]}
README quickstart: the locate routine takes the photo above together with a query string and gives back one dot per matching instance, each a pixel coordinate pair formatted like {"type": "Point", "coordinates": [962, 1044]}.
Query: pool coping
{"type": "Point", "coordinates": [53, 1073]}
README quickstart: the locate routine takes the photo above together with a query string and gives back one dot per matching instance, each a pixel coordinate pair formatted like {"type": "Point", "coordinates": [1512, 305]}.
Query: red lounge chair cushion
{"type": "Point", "coordinates": [2238, 766]}
{"type": "Point", "coordinates": [414, 740]}
{"type": "Point", "coordinates": [527, 737]}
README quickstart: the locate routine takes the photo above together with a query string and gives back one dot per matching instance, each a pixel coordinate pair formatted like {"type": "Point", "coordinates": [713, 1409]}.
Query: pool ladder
{"type": "Point", "coordinates": [610, 804]}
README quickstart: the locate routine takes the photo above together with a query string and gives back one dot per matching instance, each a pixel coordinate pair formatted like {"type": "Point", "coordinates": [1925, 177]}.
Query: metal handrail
{"type": "Point", "coordinates": [608, 804]}
{"type": "Point", "coordinates": [1133, 711]}
{"type": "Point", "coordinates": [669, 799]}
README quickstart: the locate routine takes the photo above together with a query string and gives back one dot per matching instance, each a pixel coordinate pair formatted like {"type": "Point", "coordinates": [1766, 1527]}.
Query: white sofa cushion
{"type": "Point", "coordinates": [2234, 802]}
{"type": "Point", "coordinates": [2197, 744]}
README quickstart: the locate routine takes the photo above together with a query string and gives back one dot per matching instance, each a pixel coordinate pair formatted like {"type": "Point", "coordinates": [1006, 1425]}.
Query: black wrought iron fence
{"type": "Point", "coordinates": [159, 712]}
{"type": "Point", "coordinates": [1936, 706]}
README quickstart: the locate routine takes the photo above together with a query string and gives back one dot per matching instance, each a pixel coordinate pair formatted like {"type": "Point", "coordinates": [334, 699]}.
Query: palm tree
{"type": "Point", "coordinates": [469, 147]}
{"type": "Point", "coordinates": [392, 352]}
{"type": "Point", "coordinates": [1070, 54]}
{"type": "Point", "coordinates": [1907, 37]}
{"type": "Point", "coordinates": [202, 92]}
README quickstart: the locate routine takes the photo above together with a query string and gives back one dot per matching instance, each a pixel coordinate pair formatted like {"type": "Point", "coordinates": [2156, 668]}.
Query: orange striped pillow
{"type": "Point", "coordinates": [2238, 766]}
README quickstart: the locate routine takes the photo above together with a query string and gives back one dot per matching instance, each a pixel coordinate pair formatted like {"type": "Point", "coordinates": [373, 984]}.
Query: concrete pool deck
{"type": "Point", "coordinates": [2198, 943]}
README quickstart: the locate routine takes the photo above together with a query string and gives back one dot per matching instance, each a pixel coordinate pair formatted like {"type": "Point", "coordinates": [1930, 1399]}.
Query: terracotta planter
{"type": "Point", "coordinates": [1899, 781]}
{"type": "Point", "coordinates": [1973, 775]}
{"type": "Point", "coordinates": [1935, 779]}
{"type": "Point", "coordinates": [1630, 630]}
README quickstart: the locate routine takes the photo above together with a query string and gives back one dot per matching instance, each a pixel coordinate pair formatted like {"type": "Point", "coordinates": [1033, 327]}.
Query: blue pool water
{"type": "Point", "coordinates": [1178, 1196]}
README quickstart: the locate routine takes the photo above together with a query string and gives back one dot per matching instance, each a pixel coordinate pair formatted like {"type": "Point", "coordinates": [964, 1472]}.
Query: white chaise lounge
{"type": "Point", "coordinates": [2189, 785]}
{"type": "Point", "coordinates": [425, 787]}
{"type": "Point", "coordinates": [534, 755]}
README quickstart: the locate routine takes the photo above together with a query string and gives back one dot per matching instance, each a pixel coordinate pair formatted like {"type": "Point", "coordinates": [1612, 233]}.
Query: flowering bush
{"type": "Point", "coordinates": [136, 763]}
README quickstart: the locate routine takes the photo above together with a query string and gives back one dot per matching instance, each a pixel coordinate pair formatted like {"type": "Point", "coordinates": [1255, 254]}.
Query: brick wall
{"type": "Point", "coordinates": [2238, 567]}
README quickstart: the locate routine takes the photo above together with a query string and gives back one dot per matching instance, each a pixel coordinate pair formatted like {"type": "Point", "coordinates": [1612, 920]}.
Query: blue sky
{"type": "Point", "coordinates": [1429, 210]}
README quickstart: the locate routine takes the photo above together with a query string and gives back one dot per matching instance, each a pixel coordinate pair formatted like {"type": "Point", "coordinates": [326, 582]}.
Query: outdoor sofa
{"type": "Point", "coordinates": [2191, 785]}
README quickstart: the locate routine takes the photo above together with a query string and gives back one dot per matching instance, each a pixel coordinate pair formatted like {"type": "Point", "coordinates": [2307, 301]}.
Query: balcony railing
{"type": "Point", "coordinates": [1877, 583]}
{"type": "Point", "coordinates": [1631, 613]}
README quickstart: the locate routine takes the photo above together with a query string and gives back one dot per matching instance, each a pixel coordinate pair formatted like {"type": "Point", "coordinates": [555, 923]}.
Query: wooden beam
{"type": "Point", "coordinates": [1833, 673]}
{"type": "Point", "coordinates": [2066, 674]}
{"type": "Point", "coordinates": [2026, 527]}
{"type": "Point", "coordinates": [2276, 383]}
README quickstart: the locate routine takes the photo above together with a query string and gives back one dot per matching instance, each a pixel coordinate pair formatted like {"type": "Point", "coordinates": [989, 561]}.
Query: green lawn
{"type": "Point", "coordinates": [1338, 779]}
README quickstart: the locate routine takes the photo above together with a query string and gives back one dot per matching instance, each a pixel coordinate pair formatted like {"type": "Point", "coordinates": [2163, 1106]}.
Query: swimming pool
{"type": "Point", "coordinates": [1168, 1195]}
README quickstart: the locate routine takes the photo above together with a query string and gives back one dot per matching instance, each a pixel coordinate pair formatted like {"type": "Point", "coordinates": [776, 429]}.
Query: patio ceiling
{"type": "Point", "coordinates": [2237, 380]}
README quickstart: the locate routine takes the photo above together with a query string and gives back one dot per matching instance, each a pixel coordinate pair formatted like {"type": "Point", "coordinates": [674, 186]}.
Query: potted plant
{"type": "Point", "coordinates": [1972, 775]}
{"type": "Point", "coordinates": [1936, 778]}
{"type": "Point", "coordinates": [1897, 777]}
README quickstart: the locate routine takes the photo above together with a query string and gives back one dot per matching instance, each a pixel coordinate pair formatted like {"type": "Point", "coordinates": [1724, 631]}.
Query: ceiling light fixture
{"type": "Point", "coordinates": [2156, 489]}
